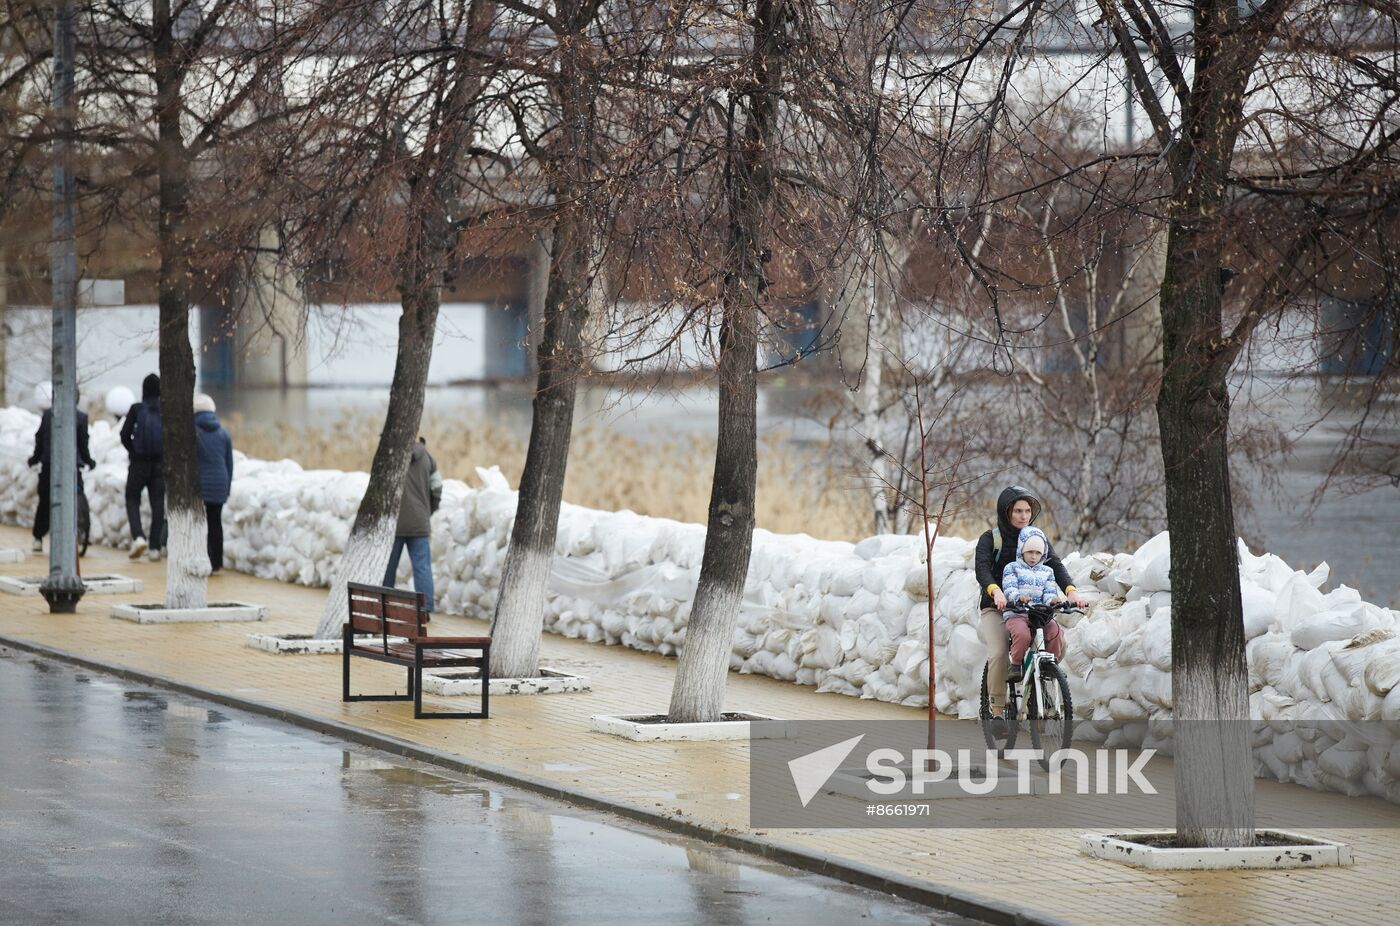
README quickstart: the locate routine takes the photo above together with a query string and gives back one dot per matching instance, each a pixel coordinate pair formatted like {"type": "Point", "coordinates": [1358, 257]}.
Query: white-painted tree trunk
{"type": "Point", "coordinates": [697, 694]}
{"type": "Point", "coordinates": [187, 563]}
{"type": "Point", "coordinates": [515, 635]}
{"type": "Point", "coordinates": [365, 558]}
{"type": "Point", "coordinates": [1215, 789]}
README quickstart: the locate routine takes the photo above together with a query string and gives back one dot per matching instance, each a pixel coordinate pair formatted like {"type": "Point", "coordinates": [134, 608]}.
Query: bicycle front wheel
{"type": "Point", "coordinates": [1050, 710]}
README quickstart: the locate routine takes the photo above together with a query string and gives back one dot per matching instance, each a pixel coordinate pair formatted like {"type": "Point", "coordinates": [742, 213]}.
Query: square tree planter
{"type": "Point", "coordinates": [549, 681]}
{"type": "Point", "coordinates": [94, 585]}
{"type": "Point", "coordinates": [1276, 849]}
{"type": "Point", "coordinates": [736, 725]}
{"type": "Point", "coordinates": [215, 611]}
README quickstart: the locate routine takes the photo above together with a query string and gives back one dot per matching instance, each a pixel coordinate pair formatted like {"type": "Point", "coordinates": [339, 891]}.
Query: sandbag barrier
{"type": "Point", "coordinates": [849, 618]}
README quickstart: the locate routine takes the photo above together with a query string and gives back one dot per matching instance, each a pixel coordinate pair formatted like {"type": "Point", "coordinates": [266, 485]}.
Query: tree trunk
{"type": "Point", "coordinates": [1210, 681]}
{"type": "Point", "coordinates": [574, 283]}
{"type": "Point", "coordinates": [698, 693]}
{"type": "Point", "coordinates": [187, 570]}
{"type": "Point", "coordinates": [519, 618]}
{"type": "Point", "coordinates": [372, 535]}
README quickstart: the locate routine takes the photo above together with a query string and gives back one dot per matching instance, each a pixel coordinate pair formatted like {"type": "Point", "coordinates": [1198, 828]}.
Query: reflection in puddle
{"type": "Point", "coordinates": [144, 700]}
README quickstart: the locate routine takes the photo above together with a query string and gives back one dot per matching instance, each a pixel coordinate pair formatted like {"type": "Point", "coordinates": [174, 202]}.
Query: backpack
{"type": "Point", "coordinates": [147, 438]}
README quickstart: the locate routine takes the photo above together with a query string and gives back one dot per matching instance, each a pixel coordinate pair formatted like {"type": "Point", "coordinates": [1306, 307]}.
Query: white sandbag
{"type": "Point", "coordinates": [1313, 630]}
{"type": "Point", "coordinates": [1154, 575]}
{"type": "Point", "coordinates": [1258, 605]}
{"type": "Point", "coordinates": [1382, 671]}
{"type": "Point", "coordinates": [1345, 764]}
{"type": "Point", "coordinates": [1296, 602]}
{"type": "Point", "coordinates": [1157, 640]}
{"type": "Point", "coordinates": [1267, 657]}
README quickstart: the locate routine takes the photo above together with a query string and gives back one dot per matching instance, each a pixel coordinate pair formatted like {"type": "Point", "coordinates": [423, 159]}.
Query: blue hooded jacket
{"type": "Point", "coordinates": [1037, 582]}
{"type": "Point", "coordinates": [215, 449]}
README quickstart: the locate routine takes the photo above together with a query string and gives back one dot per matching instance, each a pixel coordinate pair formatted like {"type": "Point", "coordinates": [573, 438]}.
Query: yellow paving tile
{"type": "Point", "coordinates": [548, 738]}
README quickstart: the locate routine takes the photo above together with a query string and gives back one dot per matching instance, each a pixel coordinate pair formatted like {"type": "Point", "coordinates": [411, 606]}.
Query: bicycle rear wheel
{"type": "Point", "coordinates": [1051, 712]}
{"type": "Point", "coordinates": [984, 715]}
{"type": "Point", "coordinates": [84, 523]}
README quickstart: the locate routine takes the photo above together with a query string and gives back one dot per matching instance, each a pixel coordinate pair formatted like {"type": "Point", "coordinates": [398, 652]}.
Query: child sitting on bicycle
{"type": "Point", "coordinates": [1029, 581]}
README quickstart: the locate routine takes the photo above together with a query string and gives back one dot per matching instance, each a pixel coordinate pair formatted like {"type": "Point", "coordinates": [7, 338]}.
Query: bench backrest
{"type": "Point", "coordinates": [386, 612]}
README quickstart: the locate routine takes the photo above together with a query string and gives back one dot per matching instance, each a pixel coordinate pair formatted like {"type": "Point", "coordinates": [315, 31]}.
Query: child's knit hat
{"type": "Point", "coordinates": [1031, 537]}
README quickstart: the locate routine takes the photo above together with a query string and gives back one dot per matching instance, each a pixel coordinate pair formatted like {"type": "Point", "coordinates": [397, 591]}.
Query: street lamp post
{"type": "Point", "coordinates": [63, 588]}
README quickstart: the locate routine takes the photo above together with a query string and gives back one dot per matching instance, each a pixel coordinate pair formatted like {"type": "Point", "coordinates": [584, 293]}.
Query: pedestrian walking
{"type": "Point", "coordinates": [215, 453]}
{"type": "Point", "coordinates": [43, 456]}
{"type": "Point", "coordinates": [141, 436]}
{"type": "Point", "coordinates": [422, 494]}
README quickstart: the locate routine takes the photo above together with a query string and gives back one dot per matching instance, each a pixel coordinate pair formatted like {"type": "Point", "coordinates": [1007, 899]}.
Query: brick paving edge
{"type": "Point", "coordinates": [951, 900]}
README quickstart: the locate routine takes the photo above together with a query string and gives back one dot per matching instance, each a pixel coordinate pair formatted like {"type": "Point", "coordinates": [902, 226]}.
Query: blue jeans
{"type": "Point", "coordinates": [420, 554]}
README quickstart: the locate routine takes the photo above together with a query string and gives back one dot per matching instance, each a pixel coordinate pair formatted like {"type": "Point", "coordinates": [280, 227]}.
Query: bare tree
{"type": "Point", "coordinates": [417, 175]}
{"type": "Point", "coordinates": [1245, 111]}
{"type": "Point", "coordinates": [571, 161]}
{"type": "Point", "coordinates": [753, 113]}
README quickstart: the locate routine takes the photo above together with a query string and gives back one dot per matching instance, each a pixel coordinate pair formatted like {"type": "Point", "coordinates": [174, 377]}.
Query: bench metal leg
{"type": "Point", "coordinates": [345, 664]}
{"type": "Point", "coordinates": [420, 714]}
{"type": "Point", "coordinates": [345, 694]}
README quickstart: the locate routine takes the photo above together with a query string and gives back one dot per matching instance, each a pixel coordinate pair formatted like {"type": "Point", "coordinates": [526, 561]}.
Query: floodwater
{"type": "Point", "coordinates": [123, 804]}
{"type": "Point", "coordinates": [352, 367]}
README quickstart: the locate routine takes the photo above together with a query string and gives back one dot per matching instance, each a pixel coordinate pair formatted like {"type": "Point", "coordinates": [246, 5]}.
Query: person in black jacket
{"type": "Point", "coordinates": [1017, 507]}
{"type": "Point", "coordinates": [43, 456]}
{"type": "Point", "coordinates": [141, 436]}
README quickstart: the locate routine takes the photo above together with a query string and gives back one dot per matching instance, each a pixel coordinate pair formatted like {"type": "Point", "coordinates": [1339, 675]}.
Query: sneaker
{"type": "Point", "coordinates": [138, 546]}
{"type": "Point", "coordinates": [153, 555]}
{"type": "Point", "coordinates": [998, 727]}
{"type": "Point", "coordinates": [38, 545]}
{"type": "Point", "coordinates": [1016, 672]}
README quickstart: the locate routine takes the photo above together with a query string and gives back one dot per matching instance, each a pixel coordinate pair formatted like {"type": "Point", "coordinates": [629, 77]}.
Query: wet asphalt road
{"type": "Point", "coordinates": [120, 804]}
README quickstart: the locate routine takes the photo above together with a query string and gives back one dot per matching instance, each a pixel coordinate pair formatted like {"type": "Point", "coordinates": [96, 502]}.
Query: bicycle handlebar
{"type": "Point", "coordinates": [1064, 607]}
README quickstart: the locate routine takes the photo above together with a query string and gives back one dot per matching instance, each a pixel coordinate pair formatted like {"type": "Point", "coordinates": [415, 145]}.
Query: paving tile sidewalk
{"type": "Point", "coordinates": [546, 739]}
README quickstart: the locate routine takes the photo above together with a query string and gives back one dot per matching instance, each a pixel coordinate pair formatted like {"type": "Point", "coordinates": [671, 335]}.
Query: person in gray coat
{"type": "Point", "coordinates": [215, 453]}
{"type": "Point", "coordinates": [422, 494]}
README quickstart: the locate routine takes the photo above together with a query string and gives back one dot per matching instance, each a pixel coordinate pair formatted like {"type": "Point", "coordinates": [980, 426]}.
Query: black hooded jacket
{"type": "Point", "coordinates": [145, 413]}
{"type": "Point", "coordinates": [990, 566]}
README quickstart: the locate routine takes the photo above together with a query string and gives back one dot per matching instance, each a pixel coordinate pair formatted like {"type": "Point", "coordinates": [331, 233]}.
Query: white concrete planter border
{"type": "Point", "coordinates": [1303, 851]}
{"type": "Point", "coordinates": [550, 681]}
{"type": "Point", "coordinates": [95, 585]}
{"type": "Point", "coordinates": [300, 644]}
{"type": "Point", "coordinates": [851, 782]}
{"type": "Point", "coordinates": [218, 611]}
{"type": "Point", "coordinates": [11, 556]}
{"type": "Point", "coordinates": [642, 728]}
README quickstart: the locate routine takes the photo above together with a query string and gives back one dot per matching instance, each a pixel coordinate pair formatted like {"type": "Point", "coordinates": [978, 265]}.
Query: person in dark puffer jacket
{"type": "Point", "coordinates": [1017, 507]}
{"type": "Point", "coordinates": [215, 452]}
{"type": "Point", "coordinates": [142, 438]}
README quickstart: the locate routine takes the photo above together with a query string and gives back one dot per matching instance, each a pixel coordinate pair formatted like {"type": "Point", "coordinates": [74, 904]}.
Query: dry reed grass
{"type": "Point", "coordinates": [800, 490]}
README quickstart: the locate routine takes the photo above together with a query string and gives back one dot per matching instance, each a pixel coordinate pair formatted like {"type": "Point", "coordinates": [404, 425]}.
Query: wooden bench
{"type": "Point", "coordinates": [397, 619]}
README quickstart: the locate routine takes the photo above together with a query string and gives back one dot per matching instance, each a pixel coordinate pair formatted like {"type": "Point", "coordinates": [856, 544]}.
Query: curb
{"type": "Point", "coordinates": [951, 900]}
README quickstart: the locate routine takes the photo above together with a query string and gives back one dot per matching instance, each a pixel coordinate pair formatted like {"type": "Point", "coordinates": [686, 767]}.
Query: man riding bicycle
{"type": "Point", "coordinates": [1017, 507]}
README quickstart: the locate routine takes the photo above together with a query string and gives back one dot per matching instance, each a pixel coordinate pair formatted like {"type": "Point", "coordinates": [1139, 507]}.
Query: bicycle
{"type": "Point", "coordinates": [1049, 709]}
